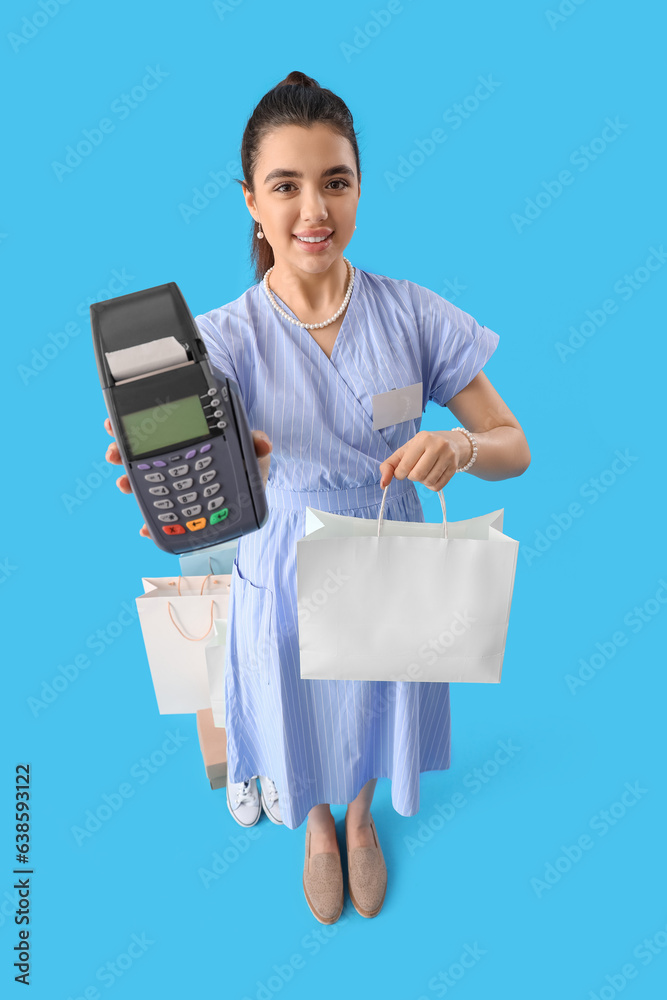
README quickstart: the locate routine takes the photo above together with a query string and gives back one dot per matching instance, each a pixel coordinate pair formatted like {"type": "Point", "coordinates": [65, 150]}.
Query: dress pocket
{"type": "Point", "coordinates": [254, 640]}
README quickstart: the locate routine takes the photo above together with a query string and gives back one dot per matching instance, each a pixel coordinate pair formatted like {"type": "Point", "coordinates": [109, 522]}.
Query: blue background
{"type": "Point", "coordinates": [450, 224]}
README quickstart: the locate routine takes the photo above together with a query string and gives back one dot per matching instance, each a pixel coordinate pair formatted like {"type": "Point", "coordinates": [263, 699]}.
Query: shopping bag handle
{"type": "Point", "coordinates": [441, 496]}
{"type": "Point", "coordinates": [202, 586]}
{"type": "Point", "coordinates": [189, 637]}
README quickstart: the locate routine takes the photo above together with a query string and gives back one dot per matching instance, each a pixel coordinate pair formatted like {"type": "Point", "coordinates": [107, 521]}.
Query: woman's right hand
{"type": "Point", "coordinates": [263, 449]}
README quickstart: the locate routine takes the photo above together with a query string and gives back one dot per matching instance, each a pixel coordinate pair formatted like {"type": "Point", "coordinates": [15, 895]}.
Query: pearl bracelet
{"type": "Point", "coordinates": [474, 448]}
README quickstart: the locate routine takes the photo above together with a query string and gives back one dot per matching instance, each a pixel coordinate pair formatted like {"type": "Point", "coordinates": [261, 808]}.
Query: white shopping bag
{"type": "Point", "coordinates": [215, 667]}
{"type": "Point", "coordinates": [176, 617]}
{"type": "Point", "coordinates": [393, 600]}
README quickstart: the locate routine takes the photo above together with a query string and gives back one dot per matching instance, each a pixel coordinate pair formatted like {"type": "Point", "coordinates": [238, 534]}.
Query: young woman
{"type": "Point", "coordinates": [309, 345]}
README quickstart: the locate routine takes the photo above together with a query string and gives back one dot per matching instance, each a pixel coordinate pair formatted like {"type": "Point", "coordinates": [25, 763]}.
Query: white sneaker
{"type": "Point", "coordinates": [243, 801]}
{"type": "Point", "coordinates": [270, 802]}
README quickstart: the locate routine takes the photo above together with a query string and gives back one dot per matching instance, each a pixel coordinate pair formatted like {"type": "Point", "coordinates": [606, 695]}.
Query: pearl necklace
{"type": "Point", "coordinates": [311, 326]}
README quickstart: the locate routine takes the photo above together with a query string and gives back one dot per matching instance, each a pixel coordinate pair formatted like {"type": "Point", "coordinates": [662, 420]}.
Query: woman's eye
{"type": "Point", "coordinates": [337, 180]}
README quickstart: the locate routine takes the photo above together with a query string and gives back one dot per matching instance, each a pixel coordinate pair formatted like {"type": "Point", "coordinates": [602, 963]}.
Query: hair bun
{"type": "Point", "coordinates": [299, 78]}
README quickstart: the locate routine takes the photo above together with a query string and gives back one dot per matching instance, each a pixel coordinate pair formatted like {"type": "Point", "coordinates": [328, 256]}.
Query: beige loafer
{"type": "Point", "coordinates": [366, 876]}
{"type": "Point", "coordinates": [323, 884]}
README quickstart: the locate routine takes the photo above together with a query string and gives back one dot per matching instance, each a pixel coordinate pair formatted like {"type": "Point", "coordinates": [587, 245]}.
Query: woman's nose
{"type": "Point", "coordinates": [313, 209]}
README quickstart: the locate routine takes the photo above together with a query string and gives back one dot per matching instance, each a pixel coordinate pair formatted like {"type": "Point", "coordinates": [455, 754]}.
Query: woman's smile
{"type": "Point", "coordinates": [318, 245]}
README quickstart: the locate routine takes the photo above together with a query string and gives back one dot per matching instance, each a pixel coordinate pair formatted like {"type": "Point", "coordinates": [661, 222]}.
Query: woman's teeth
{"type": "Point", "coordinates": [313, 239]}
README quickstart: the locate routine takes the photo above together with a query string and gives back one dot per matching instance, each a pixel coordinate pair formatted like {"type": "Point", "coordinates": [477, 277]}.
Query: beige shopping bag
{"type": "Point", "coordinates": [213, 745]}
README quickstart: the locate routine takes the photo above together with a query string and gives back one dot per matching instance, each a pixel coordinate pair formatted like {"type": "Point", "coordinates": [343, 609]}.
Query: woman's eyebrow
{"type": "Point", "coordinates": [342, 168]}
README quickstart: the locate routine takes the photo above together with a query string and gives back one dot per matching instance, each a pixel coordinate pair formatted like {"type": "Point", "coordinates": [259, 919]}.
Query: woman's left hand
{"type": "Point", "coordinates": [430, 457]}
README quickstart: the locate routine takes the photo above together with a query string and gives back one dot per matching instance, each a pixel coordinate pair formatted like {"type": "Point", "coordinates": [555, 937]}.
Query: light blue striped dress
{"type": "Point", "coordinates": [321, 741]}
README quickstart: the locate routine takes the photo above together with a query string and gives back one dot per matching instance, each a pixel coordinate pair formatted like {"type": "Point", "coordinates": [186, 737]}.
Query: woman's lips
{"type": "Point", "coordinates": [315, 247]}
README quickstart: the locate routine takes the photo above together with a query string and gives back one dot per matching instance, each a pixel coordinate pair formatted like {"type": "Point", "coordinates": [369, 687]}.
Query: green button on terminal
{"type": "Point", "coordinates": [219, 515]}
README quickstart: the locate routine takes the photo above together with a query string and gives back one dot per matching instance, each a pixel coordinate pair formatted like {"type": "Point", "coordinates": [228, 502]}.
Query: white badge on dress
{"type": "Point", "coordinates": [397, 405]}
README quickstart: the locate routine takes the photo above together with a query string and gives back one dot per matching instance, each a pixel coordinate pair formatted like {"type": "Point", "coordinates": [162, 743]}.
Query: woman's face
{"type": "Point", "coordinates": [305, 184]}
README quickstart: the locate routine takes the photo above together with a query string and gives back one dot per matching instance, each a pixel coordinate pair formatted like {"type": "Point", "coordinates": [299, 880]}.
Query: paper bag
{"type": "Point", "coordinates": [176, 619]}
{"type": "Point", "coordinates": [393, 600]}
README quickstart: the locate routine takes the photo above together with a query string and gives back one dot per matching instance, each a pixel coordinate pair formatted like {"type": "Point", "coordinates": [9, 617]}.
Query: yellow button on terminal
{"type": "Point", "coordinates": [197, 524]}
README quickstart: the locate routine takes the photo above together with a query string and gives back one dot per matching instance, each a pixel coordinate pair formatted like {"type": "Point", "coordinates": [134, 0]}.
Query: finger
{"type": "Point", "coordinates": [389, 466]}
{"type": "Point", "coordinates": [262, 444]}
{"type": "Point", "coordinates": [112, 455]}
{"type": "Point", "coordinates": [123, 484]}
{"type": "Point", "coordinates": [145, 532]}
{"type": "Point", "coordinates": [413, 452]}
{"type": "Point", "coordinates": [108, 427]}
{"type": "Point", "coordinates": [429, 469]}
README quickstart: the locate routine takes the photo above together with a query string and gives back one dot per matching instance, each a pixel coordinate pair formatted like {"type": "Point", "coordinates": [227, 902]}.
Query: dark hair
{"type": "Point", "coordinates": [296, 100]}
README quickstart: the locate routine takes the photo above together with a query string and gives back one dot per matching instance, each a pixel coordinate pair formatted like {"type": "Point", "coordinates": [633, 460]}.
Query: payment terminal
{"type": "Point", "coordinates": [182, 433]}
